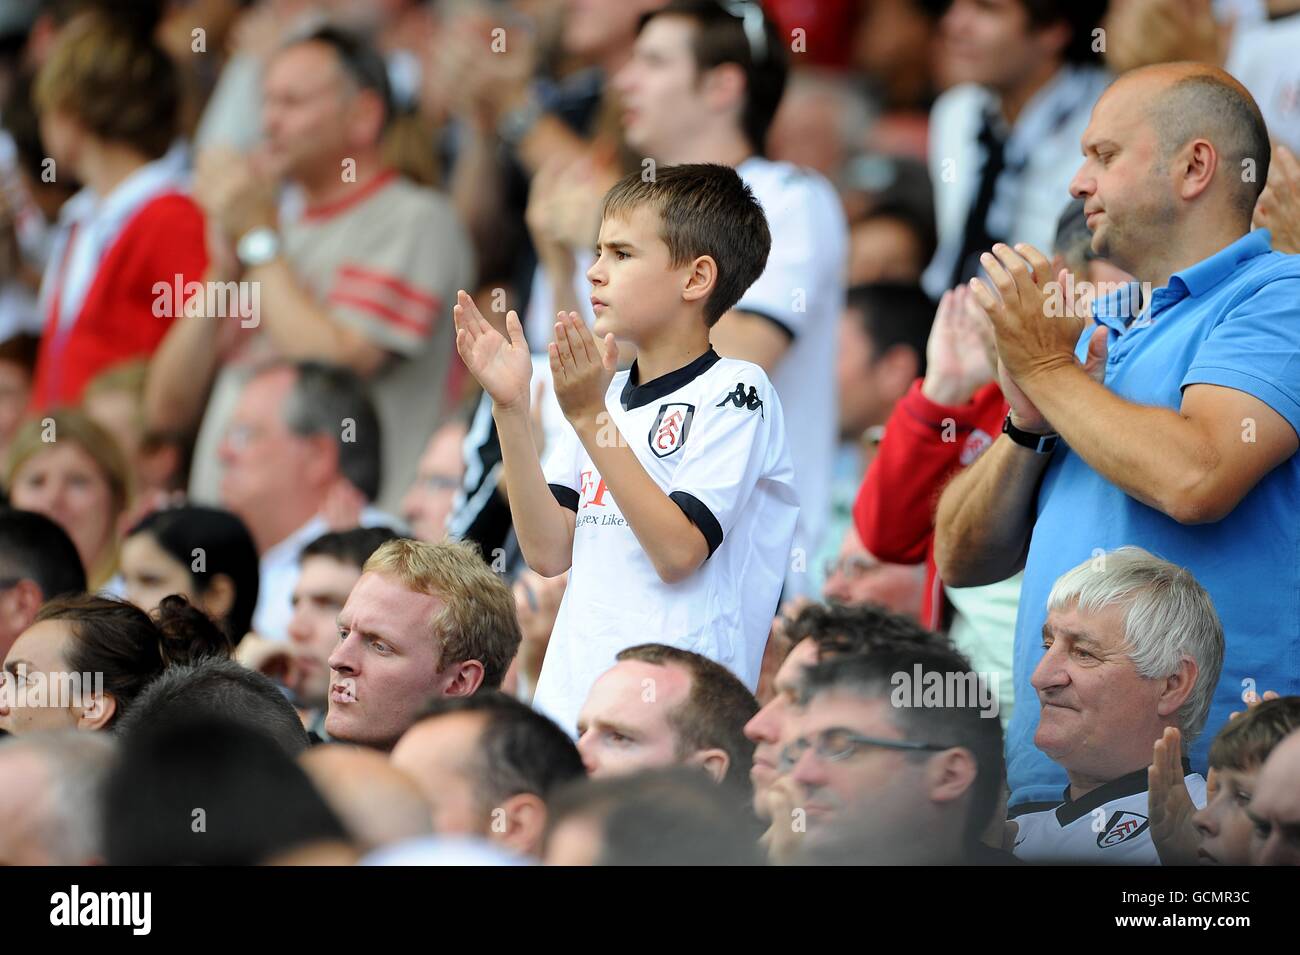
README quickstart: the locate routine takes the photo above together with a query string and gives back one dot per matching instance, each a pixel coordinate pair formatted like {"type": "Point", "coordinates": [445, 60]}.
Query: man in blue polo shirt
{"type": "Point", "coordinates": [1174, 428]}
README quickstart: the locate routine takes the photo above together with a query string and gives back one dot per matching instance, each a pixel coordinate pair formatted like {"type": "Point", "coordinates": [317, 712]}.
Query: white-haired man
{"type": "Point", "coordinates": [1132, 645]}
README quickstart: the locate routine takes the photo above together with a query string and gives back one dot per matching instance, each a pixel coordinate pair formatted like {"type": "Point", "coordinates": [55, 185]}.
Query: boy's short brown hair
{"type": "Point", "coordinates": [703, 209]}
{"type": "Point", "coordinates": [1245, 742]}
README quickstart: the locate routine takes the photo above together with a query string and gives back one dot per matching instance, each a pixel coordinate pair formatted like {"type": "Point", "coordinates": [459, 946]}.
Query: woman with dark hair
{"type": "Point", "coordinates": [204, 554]}
{"type": "Point", "coordinates": [86, 658]}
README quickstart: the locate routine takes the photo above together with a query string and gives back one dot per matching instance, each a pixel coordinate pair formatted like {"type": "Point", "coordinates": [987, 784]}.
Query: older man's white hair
{"type": "Point", "coordinates": [76, 763]}
{"type": "Point", "coordinates": [1169, 616]}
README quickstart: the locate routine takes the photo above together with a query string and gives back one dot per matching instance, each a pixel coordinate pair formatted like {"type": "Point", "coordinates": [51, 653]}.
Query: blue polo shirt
{"type": "Point", "coordinates": [1231, 320]}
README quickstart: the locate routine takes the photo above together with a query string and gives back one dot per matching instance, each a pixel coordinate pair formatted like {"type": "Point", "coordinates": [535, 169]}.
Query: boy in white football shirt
{"type": "Point", "coordinates": [673, 497]}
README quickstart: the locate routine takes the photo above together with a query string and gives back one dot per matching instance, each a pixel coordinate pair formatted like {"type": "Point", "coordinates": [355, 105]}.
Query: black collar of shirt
{"type": "Point", "coordinates": [637, 396]}
{"type": "Point", "coordinates": [1130, 785]}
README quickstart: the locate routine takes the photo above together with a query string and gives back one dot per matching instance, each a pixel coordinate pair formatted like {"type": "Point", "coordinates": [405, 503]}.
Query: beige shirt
{"type": "Point", "coordinates": [385, 262]}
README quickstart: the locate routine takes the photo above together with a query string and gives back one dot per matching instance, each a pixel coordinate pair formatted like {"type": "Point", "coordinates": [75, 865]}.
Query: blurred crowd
{"type": "Point", "coordinates": [257, 529]}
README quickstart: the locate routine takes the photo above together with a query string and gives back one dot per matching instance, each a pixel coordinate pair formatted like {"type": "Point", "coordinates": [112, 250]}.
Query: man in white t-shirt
{"type": "Point", "coordinates": [1133, 646]}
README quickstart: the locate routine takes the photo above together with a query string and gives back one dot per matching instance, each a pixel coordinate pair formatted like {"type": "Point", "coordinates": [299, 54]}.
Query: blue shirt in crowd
{"type": "Point", "coordinates": [1231, 320]}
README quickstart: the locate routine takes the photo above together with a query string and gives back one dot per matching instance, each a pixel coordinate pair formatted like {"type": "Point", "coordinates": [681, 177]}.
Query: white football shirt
{"type": "Point", "coordinates": [1108, 826]}
{"type": "Point", "coordinates": [712, 436]}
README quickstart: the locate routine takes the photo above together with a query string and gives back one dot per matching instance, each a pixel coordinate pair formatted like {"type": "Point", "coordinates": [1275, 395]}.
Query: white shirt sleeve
{"type": "Point", "coordinates": [805, 234]}
{"type": "Point", "coordinates": [736, 439]}
{"type": "Point", "coordinates": [560, 467]}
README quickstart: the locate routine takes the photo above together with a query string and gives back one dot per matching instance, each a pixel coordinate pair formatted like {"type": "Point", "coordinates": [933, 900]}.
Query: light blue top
{"type": "Point", "coordinates": [1231, 320]}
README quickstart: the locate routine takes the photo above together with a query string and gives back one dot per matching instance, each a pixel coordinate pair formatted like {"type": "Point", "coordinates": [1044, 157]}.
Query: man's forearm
{"type": "Point", "coordinates": [300, 328]}
{"type": "Point", "coordinates": [543, 525]}
{"type": "Point", "coordinates": [673, 543]}
{"type": "Point", "coordinates": [986, 514]}
{"type": "Point", "coordinates": [1154, 455]}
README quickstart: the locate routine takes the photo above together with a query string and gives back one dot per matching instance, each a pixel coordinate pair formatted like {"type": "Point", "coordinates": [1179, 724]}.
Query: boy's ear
{"type": "Point", "coordinates": [700, 279]}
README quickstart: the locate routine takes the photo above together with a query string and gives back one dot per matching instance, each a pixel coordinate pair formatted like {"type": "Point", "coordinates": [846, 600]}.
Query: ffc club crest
{"type": "Point", "coordinates": [672, 423]}
{"type": "Point", "coordinates": [1122, 827]}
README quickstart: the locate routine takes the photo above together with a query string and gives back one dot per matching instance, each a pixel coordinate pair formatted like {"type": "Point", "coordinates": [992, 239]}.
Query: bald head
{"type": "Point", "coordinates": [1189, 101]}
{"type": "Point", "coordinates": [378, 803]}
{"type": "Point", "coordinates": [1275, 807]}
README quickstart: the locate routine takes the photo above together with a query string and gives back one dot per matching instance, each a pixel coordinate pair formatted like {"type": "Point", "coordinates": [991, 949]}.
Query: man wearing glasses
{"type": "Point", "coordinates": [887, 781]}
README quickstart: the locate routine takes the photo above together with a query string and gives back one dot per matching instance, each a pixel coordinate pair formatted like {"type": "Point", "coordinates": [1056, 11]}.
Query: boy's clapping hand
{"type": "Point", "coordinates": [582, 368]}
{"type": "Point", "coordinates": [502, 366]}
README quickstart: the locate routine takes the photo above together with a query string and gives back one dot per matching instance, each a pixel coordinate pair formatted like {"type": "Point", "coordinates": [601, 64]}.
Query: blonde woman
{"type": "Point", "coordinates": [69, 469]}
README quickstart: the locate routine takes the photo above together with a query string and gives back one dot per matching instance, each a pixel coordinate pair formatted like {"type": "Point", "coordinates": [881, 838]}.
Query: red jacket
{"type": "Point", "coordinates": [117, 321]}
{"type": "Point", "coordinates": [924, 445]}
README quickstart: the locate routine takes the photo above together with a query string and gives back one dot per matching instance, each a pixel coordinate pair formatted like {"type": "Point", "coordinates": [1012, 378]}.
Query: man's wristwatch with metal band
{"type": "Point", "coordinates": [257, 247]}
{"type": "Point", "coordinates": [1038, 443]}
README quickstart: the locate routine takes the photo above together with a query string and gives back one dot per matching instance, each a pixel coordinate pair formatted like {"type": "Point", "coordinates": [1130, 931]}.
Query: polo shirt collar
{"type": "Point", "coordinates": [637, 395]}
{"type": "Point", "coordinates": [1204, 275]}
{"type": "Point", "coordinates": [1119, 308]}
{"type": "Point", "coordinates": [1130, 785]}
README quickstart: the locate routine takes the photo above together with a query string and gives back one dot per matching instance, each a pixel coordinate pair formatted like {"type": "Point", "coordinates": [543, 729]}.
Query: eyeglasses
{"type": "Point", "coordinates": [750, 14]}
{"type": "Point", "coordinates": [838, 744]}
{"type": "Point", "coordinates": [852, 566]}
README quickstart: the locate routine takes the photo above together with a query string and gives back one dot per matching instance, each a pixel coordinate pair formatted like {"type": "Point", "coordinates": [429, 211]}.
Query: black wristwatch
{"type": "Point", "coordinates": [1038, 443]}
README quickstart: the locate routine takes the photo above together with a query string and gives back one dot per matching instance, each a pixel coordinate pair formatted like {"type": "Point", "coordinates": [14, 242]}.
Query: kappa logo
{"type": "Point", "coordinates": [671, 426]}
{"type": "Point", "coordinates": [1122, 827]}
{"type": "Point", "coordinates": [741, 400]}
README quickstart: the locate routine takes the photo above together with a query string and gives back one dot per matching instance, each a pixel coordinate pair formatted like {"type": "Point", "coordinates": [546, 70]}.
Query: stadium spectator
{"type": "Point", "coordinates": [216, 687]}
{"type": "Point", "coordinates": [1005, 138]}
{"type": "Point", "coordinates": [876, 766]}
{"type": "Point", "coordinates": [329, 568]}
{"type": "Point", "coordinates": [1132, 646]}
{"type": "Point", "coordinates": [423, 620]}
{"type": "Point", "coordinates": [662, 706]}
{"type": "Point", "coordinates": [202, 553]}
{"type": "Point", "coordinates": [487, 764]}
{"type": "Point", "coordinates": [303, 446]}
{"type": "Point", "coordinates": [132, 229]}
{"type": "Point", "coordinates": [86, 659]}
{"type": "Point", "coordinates": [67, 467]}
{"type": "Point", "coordinates": [361, 275]}
{"type": "Point", "coordinates": [1187, 444]}
{"type": "Point", "coordinates": [645, 561]}
{"type": "Point", "coordinates": [38, 562]}
{"type": "Point", "coordinates": [1275, 809]}
{"type": "Point", "coordinates": [50, 810]}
